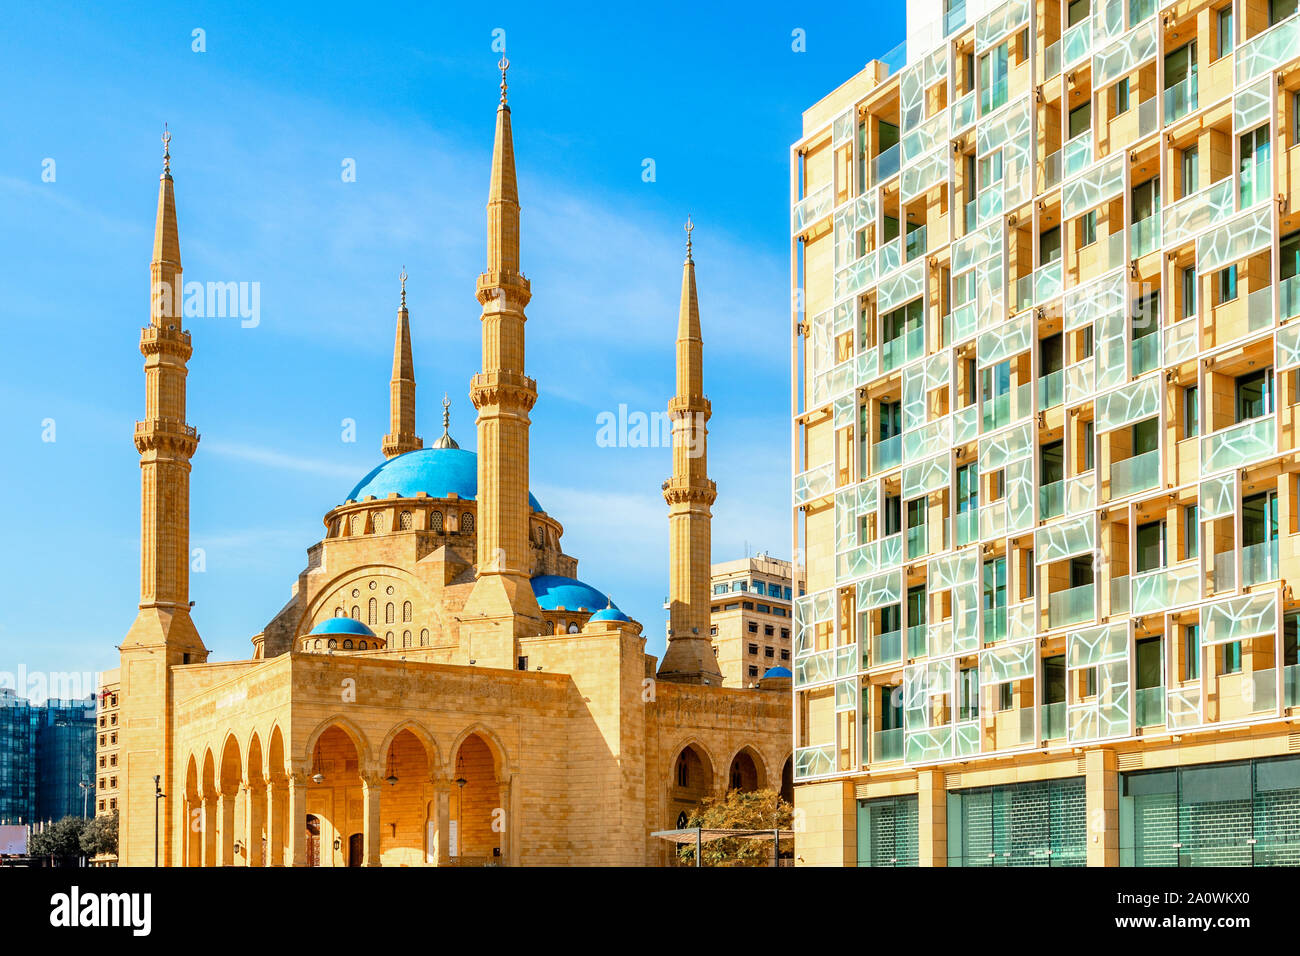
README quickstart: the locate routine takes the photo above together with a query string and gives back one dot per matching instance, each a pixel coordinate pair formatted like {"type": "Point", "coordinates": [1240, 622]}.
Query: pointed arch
{"type": "Point", "coordinates": [255, 761]}
{"type": "Point", "coordinates": [736, 765]}
{"type": "Point", "coordinates": [500, 757]}
{"type": "Point", "coordinates": [353, 732]}
{"type": "Point", "coordinates": [431, 750]}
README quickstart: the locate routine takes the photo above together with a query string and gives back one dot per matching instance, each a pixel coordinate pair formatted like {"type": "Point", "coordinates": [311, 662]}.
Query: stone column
{"type": "Point", "coordinates": [297, 823]}
{"type": "Point", "coordinates": [932, 818]}
{"type": "Point", "coordinates": [254, 819]}
{"type": "Point", "coordinates": [442, 804]}
{"type": "Point", "coordinates": [1102, 789]}
{"type": "Point", "coordinates": [209, 829]}
{"type": "Point", "coordinates": [504, 820]}
{"type": "Point", "coordinates": [275, 793]}
{"type": "Point", "coordinates": [371, 789]}
{"type": "Point", "coordinates": [226, 827]}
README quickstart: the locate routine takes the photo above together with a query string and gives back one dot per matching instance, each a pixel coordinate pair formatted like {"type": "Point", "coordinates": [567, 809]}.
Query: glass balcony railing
{"type": "Point", "coordinates": [917, 542]}
{"type": "Point", "coordinates": [916, 641]}
{"type": "Point", "coordinates": [1052, 60]}
{"type": "Point", "coordinates": [1076, 156]}
{"type": "Point", "coordinates": [1120, 594]}
{"type": "Point", "coordinates": [887, 745]}
{"type": "Point", "coordinates": [1071, 606]}
{"type": "Point", "coordinates": [1180, 99]}
{"type": "Point", "coordinates": [887, 454]}
{"type": "Point", "coordinates": [963, 112]}
{"type": "Point", "coordinates": [1148, 116]}
{"type": "Point", "coordinates": [1259, 309]}
{"type": "Point", "coordinates": [1144, 236]}
{"type": "Point", "coordinates": [1291, 685]}
{"type": "Point", "coordinates": [885, 165]}
{"type": "Point", "coordinates": [1259, 563]}
{"type": "Point", "coordinates": [1289, 293]}
{"type": "Point", "coordinates": [970, 215]}
{"type": "Point", "coordinates": [914, 245]}
{"type": "Point", "coordinates": [1051, 500]}
{"type": "Point", "coordinates": [1225, 571]}
{"type": "Point", "coordinates": [1135, 474]}
{"type": "Point", "coordinates": [1053, 720]}
{"type": "Point", "coordinates": [1001, 410]}
{"type": "Point", "coordinates": [1150, 706]}
{"type": "Point", "coordinates": [967, 524]}
{"type": "Point", "coordinates": [1146, 352]}
{"type": "Point", "coordinates": [887, 648]}
{"type": "Point", "coordinates": [1052, 169]}
{"type": "Point", "coordinates": [1051, 390]}
{"type": "Point", "coordinates": [954, 18]}
{"type": "Point", "coordinates": [1239, 444]}
{"type": "Point", "coordinates": [995, 624]}
{"type": "Point", "coordinates": [993, 97]}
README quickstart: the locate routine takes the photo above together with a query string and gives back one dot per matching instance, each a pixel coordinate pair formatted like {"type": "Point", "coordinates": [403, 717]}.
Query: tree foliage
{"type": "Point", "coordinates": [60, 842]}
{"type": "Point", "coordinates": [100, 835]}
{"type": "Point", "coordinates": [739, 810]}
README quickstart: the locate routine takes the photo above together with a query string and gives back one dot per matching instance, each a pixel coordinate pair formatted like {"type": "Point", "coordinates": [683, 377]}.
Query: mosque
{"type": "Point", "coordinates": [442, 688]}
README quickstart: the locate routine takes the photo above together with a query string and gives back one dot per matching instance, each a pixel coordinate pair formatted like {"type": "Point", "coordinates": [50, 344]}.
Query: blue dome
{"type": "Point", "coordinates": [554, 592]}
{"type": "Point", "coordinates": [342, 625]}
{"type": "Point", "coordinates": [777, 672]}
{"type": "Point", "coordinates": [610, 614]}
{"type": "Point", "coordinates": [439, 472]}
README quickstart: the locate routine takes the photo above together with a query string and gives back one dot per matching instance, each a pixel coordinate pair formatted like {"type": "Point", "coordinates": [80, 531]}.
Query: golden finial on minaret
{"type": "Point", "coordinates": [688, 227]}
{"type": "Point", "coordinates": [503, 66]}
{"type": "Point", "coordinates": [402, 277]}
{"type": "Point", "coordinates": [167, 155]}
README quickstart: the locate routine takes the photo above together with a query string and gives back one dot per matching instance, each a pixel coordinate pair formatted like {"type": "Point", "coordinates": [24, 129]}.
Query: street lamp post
{"type": "Point", "coordinates": [157, 795]}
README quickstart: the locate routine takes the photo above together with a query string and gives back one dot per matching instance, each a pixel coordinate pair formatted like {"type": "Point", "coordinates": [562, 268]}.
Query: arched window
{"type": "Point", "coordinates": [467, 523]}
{"type": "Point", "coordinates": [406, 638]}
{"type": "Point", "coordinates": [339, 612]}
{"type": "Point", "coordinates": [389, 613]}
{"type": "Point", "coordinates": [355, 526]}
{"type": "Point", "coordinates": [683, 770]}
{"type": "Point", "coordinates": [573, 628]}
{"type": "Point", "coordinates": [347, 644]}
{"type": "Point", "coordinates": [333, 643]}
{"type": "Point", "coordinates": [435, 522]}
{"type": "Point", "coordinates": [406, 611]}
{"type": "Point", "coordinates": [424, 637]}
{"type": "Point", "coordinates": [404, 521]}
{"type": "Point", "coordinates": [377, 523]}
{"type": "Point", "coordinates": [318, 643]}
{"type": "Point", "coordinates": [356, 613]}
{"type": "Point", "coordinates": [374, 612]}
{"type": "Point", "coordinates": [363, 645]}
{"type": "Point", "coordinates": [389, 638]}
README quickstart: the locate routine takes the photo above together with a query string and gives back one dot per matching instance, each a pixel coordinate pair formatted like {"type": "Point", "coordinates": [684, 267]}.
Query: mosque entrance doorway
{"type": "Point", "coordinates": [356, 845]}
{"type": "Point", "coordinates": [313, 840]}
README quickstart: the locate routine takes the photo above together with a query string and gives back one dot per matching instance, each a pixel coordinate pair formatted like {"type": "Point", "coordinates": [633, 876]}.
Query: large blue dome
{"type": "Point", "coordinates": [342, 625]}
{"type": "Point", "coordinates": [555, 591]}
{"type": "Point", "coordinates": [439, 472]}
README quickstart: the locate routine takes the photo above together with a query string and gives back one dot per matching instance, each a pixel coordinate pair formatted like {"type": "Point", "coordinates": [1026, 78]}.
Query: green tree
{"type": "Point", "coordinates": [739, 810]}
{"type": "Point", "coordinates": [60, 842]}
{"type": "Point", "coordinates": [100, 835]}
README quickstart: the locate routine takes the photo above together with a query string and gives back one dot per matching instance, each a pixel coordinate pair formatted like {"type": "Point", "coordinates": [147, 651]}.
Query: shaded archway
{"type": "Point", "coordinates": [277, 796]}
{"type": "Point", "coordinates": [230, 779]}
{"type": "Point", "coordinates": [334, 789]}
{"type": "Point", "coordinates": [193, 821]}
{"type": "Point", "coordinates": [208, 809]}
{"type": "Point", "coordinates": [746, 773]}
{"type": "Point", "coordinates": [787, 781]}
{"type": "Point", "coordinates": [254, 805]}
{"type": "Point", "coordinates": [476, 815]}
{"type": "Point", "coordinates": [406, 809]}
{"type": "Point", "coordinates": [691, 781]}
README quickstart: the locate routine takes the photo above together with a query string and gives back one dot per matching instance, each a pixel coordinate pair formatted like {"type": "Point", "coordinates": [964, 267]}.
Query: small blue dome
{"type": "Point", "coordinates": [555, 591]}
{"type": "Point", "coordinates": [438, 472]}
{"type": "Point", "coordinates": [777, 672]}
{"type": "Point", "coordinates": [342, 625]}
{"type": "Point", "coordinates": [610, 614]}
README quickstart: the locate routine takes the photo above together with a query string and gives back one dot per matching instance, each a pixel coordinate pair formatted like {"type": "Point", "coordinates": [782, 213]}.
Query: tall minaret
{"type": "Point", "coordinates": [502, 605]}
{"type": "Point", "coordinates": [163, 634]}
{"type": "Point", "coordinates": [689, 657]}
{"type": "Point", "coordinates": [401, 436]}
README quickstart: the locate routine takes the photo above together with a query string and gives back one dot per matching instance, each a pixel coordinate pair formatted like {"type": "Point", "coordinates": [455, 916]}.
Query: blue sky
{"type": "Point", "coordinates": [262, 122]}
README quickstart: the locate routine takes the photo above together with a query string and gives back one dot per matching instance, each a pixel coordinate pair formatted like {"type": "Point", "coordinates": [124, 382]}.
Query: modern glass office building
{"type": "Point", "coordinates": [1046, 401]}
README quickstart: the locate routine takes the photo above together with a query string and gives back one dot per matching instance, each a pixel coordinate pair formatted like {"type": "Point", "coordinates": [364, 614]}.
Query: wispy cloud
{"type": "Point", "coordinates": [271, 458]}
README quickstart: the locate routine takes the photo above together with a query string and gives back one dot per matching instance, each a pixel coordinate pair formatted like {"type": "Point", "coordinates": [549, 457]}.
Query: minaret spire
{"type": "Point", "coordinates": [504, 396]}
{"type": "Point", "coordinates": [401, 436]}
{"type": "Point", "coordinates": [163, 635]}
{"type": "Point", "coordinates": [689, 657]}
